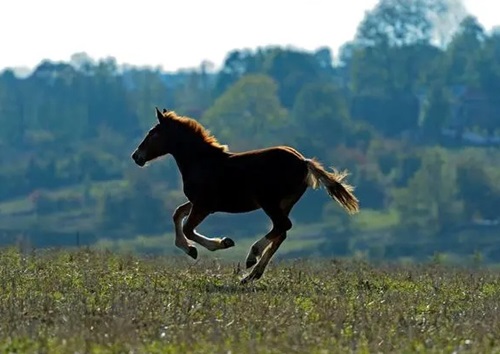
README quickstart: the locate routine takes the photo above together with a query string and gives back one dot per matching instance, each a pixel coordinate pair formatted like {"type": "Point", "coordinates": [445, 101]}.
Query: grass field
{"type": "Point", "coordinates": [98, 302]}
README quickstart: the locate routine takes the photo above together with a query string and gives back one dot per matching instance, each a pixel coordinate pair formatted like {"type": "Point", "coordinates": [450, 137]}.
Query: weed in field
{"type": "Point", "coordinates": [90, 301]}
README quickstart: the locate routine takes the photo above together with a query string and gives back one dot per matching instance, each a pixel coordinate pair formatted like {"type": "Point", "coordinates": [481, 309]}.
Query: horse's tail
{"type": "Point", "coordinates": [333, 182]}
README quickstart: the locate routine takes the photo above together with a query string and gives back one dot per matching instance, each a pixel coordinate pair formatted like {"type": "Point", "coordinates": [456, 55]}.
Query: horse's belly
{"type": "Point", "coordinates": [233, 204]}
{"type": "Point", "coordinates": [229, 199]}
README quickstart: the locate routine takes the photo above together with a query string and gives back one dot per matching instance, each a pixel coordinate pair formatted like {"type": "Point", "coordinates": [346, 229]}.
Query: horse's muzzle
{"type": "Point", "coordinates": [138, 158]}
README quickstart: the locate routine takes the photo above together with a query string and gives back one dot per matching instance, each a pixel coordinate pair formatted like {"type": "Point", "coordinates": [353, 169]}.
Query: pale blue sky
{"type": "Point", "coordinates": [179, 33]}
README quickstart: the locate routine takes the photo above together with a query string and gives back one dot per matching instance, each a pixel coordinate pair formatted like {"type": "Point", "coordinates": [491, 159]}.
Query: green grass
{"type": "Point", "coordinates": [98, 302]}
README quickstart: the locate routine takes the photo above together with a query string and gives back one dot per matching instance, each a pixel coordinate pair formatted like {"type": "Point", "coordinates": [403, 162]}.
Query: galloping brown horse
{"type": "Point", "coordinates": [216, 180]}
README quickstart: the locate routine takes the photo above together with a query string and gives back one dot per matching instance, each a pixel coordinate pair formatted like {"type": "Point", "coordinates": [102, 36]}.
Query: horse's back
{"type": "Point", "coordinates": [268, 154]}
{"type": "Point", "coordinates": [271, 169]}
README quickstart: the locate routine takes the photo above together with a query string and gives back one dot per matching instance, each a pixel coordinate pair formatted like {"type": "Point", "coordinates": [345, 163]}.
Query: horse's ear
{"type": "Point", "coordinates": [165, 110]}
{"type": "Point", "coordinates": [159, 115]}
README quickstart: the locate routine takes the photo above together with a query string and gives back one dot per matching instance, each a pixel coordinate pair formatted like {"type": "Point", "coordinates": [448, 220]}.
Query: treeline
{"type": "Point", "coordinates": [416, 124]}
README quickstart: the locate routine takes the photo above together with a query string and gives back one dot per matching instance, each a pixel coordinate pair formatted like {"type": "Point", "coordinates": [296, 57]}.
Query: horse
{"type": "Point", "coordinates": [217, 180]}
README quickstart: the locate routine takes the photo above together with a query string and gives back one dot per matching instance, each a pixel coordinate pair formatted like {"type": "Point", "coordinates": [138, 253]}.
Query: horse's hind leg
{"type": "Point", "coordinates": [257, 249]}
{"type": "Point", "coordinates": [269, 252]}
{"type": "Point", "coordinates": [271, 241]}
{"type": "Point", "coordinates": [196, 216]}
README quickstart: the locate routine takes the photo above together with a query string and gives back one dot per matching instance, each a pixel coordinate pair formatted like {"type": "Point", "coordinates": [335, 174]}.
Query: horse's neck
{"type": "Point", "coordinates": [189, 158]}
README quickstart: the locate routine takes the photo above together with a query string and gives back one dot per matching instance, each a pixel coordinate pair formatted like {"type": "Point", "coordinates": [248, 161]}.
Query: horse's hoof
{"type": "Point", "coordinates": [193, 252]}
{"type": "Point", "coordinates": [245, 280]}
{"type": "Point", "coordinates": [253, 276]}
{"type": "Point", "coordinates": [227, 242]}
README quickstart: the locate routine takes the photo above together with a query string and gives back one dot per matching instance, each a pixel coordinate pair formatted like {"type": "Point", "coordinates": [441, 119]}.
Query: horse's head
{"type": "Point", "coordinates": [155, 143]}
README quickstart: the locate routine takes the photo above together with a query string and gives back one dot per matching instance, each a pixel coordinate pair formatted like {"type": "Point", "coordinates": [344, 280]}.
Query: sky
{"type": "Point", "coordinates": [181, 33]}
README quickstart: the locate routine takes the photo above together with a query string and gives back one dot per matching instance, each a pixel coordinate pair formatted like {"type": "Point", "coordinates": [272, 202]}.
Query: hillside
{"type": "Point", "coordinates": [415, 124]}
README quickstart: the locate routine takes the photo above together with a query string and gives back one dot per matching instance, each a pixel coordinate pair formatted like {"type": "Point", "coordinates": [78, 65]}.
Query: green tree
{"type": "Point", "coordinates": [463, 52]}
{"type": "Point", "coordinates": [249, 111]}
{"type": "Point", "coordinates": [194, 95]}
{"type": "Point", "coordinates": [148, 91]}
{"type": "Point", "coordinates": [321, 111]}
{"type": "Point", "coordinates": [435, 112]}
{"type": "Point", "coordinates": [403, 23]}
{"type": "Point", "coordinates": [292, 70]}
{"type": "Point", "coordinates": [11, 110]}
{"type": "Point", "coordinates": [393, 47]}
{"type": "Point", "coordinates": [139, 208]}
{"type": "Point", "coordinates": [109, 103]}
{"type": "Point", "coordinates": [237, 64]}
{"type": "Point", "coordinates": [429, 203]}
{"type": "Point", "coordinates": [488, 66]}
{"type": "Point", "coordinates": [478, 189]}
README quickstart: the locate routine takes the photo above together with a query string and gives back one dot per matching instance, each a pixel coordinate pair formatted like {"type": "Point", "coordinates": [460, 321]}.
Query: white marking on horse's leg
{"type": "Point", "coordinates": [261, 265]}
{"type": "Point", "coordinates": [212, 244]}
{"type": "Point", "coordinates": [180, 240]}
{"type": "Point", "coordinates": [267, 246]}
{"type": "Point", "coordinates": [256, 250]}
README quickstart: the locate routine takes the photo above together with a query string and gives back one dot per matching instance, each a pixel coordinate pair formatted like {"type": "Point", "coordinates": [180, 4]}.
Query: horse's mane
{"type": "Point", "coordinates": [196, 128]}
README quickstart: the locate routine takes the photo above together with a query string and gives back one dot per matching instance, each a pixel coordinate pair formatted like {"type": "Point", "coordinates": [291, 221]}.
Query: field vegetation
{"type": "Point", "coordinates": [93, 301]}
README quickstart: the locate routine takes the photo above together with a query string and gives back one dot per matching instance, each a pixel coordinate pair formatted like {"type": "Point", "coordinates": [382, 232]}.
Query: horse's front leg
{"type": "Point", "coordinates": [196, 216]}
{"type": "Point", "coordinates": [180, 240]}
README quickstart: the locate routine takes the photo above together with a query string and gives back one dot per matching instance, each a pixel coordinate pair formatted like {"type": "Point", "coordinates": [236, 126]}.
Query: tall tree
{"type": "Point", "coordinates": [393, 46]}
{"type": "Point", "coordinates": [435, 112]}
{"type": "Point", "coordinates": [249, 111]}
{"type": "Point", "coordinates": [464, 52]}
{"type": "Point", "coordinates": [429, 202]}
{"type": "Point", "coordinates": [321, 111]}
{"type": "Point", "coordinates": [148, 90]}
{"type": "Point", "coordinates": [292, 70]}
{"type": "Point", "coordinates": [478, 188]}
{"type": "Point", "coordinates": [11, 110]}
{"type": "Point", "coordinates": [401, 22]}
{"type": "Point", "coordinates": [237, 64]}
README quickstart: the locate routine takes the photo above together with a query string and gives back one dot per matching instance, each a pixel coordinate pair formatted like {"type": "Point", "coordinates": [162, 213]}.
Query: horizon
{"type": "Point", "coordinates": [308, 25]}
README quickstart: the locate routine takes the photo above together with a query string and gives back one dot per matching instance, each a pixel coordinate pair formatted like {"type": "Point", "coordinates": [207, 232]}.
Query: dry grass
{"type": "Point", "coordinates": [97, 302]}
